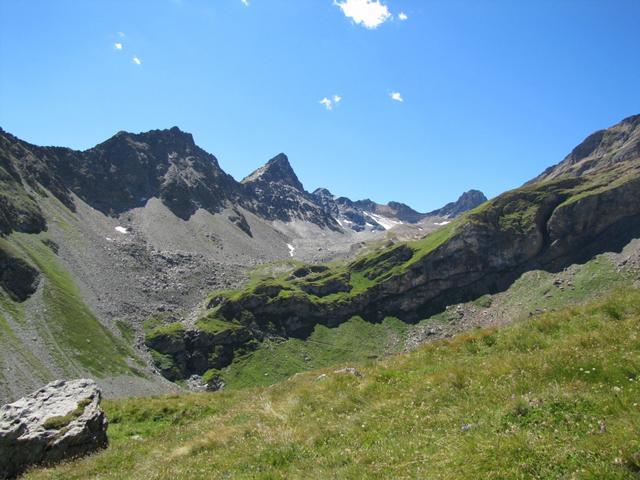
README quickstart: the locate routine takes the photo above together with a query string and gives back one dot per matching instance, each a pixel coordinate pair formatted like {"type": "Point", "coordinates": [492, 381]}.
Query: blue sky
{"type": "Point", "coordinates": [493, 91]}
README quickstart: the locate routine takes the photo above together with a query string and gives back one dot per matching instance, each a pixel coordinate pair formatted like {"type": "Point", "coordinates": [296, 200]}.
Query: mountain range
{"type": "Point", "coordinates": [586, 205]}
{"type": "Point", "coordinates": [142, 256]}
{"type": "Point", "coordinates": [145, 225]}
{"type": "Point", "coordinates": [141, 264]}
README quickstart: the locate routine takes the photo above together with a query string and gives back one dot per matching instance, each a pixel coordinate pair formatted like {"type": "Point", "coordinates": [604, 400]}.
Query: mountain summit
{"type": "Point", "coordinates": [467, 201]}
{"type": "Point", "coordinates": [600, 150]}
{"type": "Point", "coordinates": [275, 193]}
{"type": "Point", "coordinates": [276, 170]}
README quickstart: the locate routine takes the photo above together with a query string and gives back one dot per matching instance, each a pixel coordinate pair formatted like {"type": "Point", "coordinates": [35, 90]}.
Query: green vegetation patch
{"type": "Point", "coordinates": [517, 211]}
{"type": "Point", "coordinates": [603, 181]}
{"type": "Point", "coordinates": [174, 331]}
{"type": "Point", "coordinates": [126, 330]}
{"type": "Point", "coordinates": [214, 325]}
{"type": "Point", "coordinates": [552, 397]}
{"type": "Point", "coordinates": [73, 334]}
{"type": "Point", "coordinates": [59, 422]}
{"type": "Point", "coordinates": [15, 349]}
{"type": "Point", "coordinates": [13, 308]}
{"type": "Point", "coordinates": [166, 364]}
{"type": "Point", "coordinates": [353, 341]}
{"type": "Point", "coordinates": [539, 290]}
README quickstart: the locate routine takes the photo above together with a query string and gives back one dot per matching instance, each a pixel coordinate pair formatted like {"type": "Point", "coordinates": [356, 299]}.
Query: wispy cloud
{"type": "Point", "coordinates": [369, 13]}
{"type": "Point", "coordinates": [329, 103]}
{"type": "Point", "coordinates": [403, 16]}
{"type": "Point", "coordinates": [245, 2]}
{"type": "Point", "coordinates": [396, 96]}
{"type": "Point", "coordinates": [121, 34]}
{"type": "Point", "coordinates": [136, 60]}
{"type": "Point", "coordinates": [117, 46]}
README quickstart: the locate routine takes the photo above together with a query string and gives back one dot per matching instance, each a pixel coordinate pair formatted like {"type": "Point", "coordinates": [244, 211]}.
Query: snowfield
{"type": "Point", "coordinates": [385, 222]}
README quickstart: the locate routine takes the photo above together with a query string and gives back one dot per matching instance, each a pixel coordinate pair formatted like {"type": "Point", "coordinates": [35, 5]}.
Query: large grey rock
{"type": "Point", "coordinates": [61, 420]}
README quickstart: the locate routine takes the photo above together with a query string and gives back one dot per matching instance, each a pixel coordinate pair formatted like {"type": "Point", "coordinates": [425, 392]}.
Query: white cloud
{"type": "Point", "coordinates": [396, 96]}
{"type": "Point", "coordinates": [245, 2]}
{"type": "Point", "coordinates": [137, 61]}
{"type": "Point", "coordinates": [328, 104]}
{"type": "Point", "coordinates": [403, 16]}
{"type": "Point", "coordinates": [117, 46]}
{"type": "Point", "coordinates": [370, 13]}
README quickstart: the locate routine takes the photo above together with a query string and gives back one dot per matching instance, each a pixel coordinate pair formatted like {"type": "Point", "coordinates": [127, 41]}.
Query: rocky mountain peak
{"type": "Point", "coordinates": [160, 141]}
{"type": "Point", "coordinates": [322, 192]}
{"type": "Point", "coordinates": [467, 201]}
{"type": "Point", "coordinates": [276, 170]}
{"type": "Point", "coordinates": [600, 150]}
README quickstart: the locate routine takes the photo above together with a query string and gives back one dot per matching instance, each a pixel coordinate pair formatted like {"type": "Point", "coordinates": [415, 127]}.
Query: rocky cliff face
{"type": "Point", "coordinates": [548, 224]}
{"type": "Point", "coordinates": [19, 209]}
{"type": "Point", "coordinates": [601, 150]}
{"type": "Point", "coordinates": [127, 170]}
{"type": "Point", "coordinates": [275, 193]}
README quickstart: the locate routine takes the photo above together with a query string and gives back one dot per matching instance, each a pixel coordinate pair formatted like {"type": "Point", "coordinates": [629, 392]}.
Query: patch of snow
{"type": "Point", "coordinates": [385, 222]}
{"type": "Point", "coordinates": [370, 225]}
{"type": "Point", "coordinates": [442, 223]}
{"type": "Point", "coordinates": [291, 249]}
{"type": "Point", "coordinates": [123, 230]}
{"type": "Point", "coordinates": [109, 239]}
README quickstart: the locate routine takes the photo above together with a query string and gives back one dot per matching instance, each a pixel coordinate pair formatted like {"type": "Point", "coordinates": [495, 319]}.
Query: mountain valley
{"type": "Point", "coordinates": [322, 318]}
{"type": "Point", "coordinates": [142, 227]}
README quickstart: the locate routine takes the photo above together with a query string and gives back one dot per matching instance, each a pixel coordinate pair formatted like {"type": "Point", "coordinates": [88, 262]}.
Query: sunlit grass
{"type": "Point", "coordinates": [555, 396]}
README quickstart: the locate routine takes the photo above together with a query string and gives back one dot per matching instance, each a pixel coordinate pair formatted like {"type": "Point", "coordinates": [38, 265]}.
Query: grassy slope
{"type": "Point", "coordinates": [555, 396]}
{"type": "Point", "coordinates": [535, 291]}
{"type": "Point", "coordinates": [357, 340]}
{"type": "Point", "coordinates": [72, 334]}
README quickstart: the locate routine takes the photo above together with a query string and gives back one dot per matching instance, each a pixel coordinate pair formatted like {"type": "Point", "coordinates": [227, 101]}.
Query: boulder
{"type": "Point", "coordinates": [61, 420]}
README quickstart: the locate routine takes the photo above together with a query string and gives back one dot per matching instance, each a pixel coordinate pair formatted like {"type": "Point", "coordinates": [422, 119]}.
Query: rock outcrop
{"type": "Point", "coordinates": [603, 149]}
{"type": "Point", "coordinates": [61, 420]}
{"type": "Point", "coordinates": [185, 352]}
{"type": "Point", "coordinates": [18, 278]}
